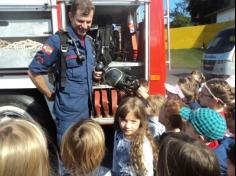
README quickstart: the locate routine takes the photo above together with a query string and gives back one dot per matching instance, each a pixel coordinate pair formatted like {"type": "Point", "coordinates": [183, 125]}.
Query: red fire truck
{"type": "Point", "coordinates": [137, 38]}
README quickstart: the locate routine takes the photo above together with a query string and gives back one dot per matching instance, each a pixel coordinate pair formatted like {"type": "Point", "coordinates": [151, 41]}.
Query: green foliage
{"type": "Point", "coordinates": [180, 15]}
{"type": "Point", "coordinates": [181, 21]}
{"type": "Point", "coordinates": [180, 9]}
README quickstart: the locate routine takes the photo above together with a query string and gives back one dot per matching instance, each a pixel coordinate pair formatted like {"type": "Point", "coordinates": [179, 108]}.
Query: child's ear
{"type": "Point", "coordinates": [215, 100]}
{"type": "Point", "coordinates": [201, 138]}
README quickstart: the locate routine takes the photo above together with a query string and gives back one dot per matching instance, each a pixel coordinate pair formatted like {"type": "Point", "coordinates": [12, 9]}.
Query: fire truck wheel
{"type": "Point", "coordinates": [27, 107]}
{"type": "Point", "coordinates": [24, 106]}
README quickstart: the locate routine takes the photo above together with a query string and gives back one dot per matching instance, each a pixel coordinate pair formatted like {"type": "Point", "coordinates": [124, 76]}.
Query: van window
{"type": "Point", "coordinates": [222, 43]}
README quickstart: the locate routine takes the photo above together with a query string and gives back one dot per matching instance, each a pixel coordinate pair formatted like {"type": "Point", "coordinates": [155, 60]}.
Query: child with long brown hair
{"type": "Point", "coordinates": [83, 149]}
{"type": "Point", "coordinates": [134, 150]}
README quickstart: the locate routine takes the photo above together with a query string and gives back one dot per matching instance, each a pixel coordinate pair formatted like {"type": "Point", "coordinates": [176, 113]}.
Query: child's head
{"type": "Point", "coordinates": [130, 116]}
{"type": "Point", "coordinates": [131, 119]}
{"type": "Point", "coordinates": [204, 124]}
{"type": "Point", "coordinates": [174, 92]}
{"type": "Point", "coordinates": [231, 161]}
{"type": "Point", "coordinates": [198, 77]}
{"type": "Point", "coordinates": [216, 94]}
{"type": "Point", "coordinates": [169, 115]}
{"type": "Point", "coordinates": [83, 147]}
{"type": "Point", "coordinates": [154, 104]}
{"type": "Point", "coordinates": [23, 149]}
{"type": "Point", "coordinates": [180, 155]}
{"type": "Point", "coordinates": [189, 87]}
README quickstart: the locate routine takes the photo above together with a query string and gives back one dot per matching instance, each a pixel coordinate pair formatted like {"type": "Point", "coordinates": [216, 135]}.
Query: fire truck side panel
{"type": "Point", "coordinates": [157, 64]}
{"type": "Point", "coordinates": [151, 66]}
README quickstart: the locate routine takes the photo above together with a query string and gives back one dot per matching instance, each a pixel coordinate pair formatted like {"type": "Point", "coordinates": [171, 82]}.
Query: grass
{"type": "Point", "coordinates": [186, 58]}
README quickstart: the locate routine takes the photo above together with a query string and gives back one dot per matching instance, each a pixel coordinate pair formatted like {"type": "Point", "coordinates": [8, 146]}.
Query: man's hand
{"type": "Point", "coordinates": [51, 96]}
{"type": "Point", "coordinates": [97, 75]}
{"type": "Point", "coordinates": [41, 84]}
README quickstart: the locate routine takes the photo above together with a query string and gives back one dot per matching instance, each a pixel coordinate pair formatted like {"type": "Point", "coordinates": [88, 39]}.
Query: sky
{"type": "Point", "coordinates": [172, 6]}
{"type": "Point", "coordinates": [173, 2]}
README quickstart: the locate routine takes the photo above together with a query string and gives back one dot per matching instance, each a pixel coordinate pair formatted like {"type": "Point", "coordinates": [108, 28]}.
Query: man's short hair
{"type": "Point", "coordinates": [85, 6]}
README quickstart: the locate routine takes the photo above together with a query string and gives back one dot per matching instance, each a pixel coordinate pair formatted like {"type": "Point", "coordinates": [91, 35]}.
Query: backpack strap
{"type": "Point", "coordinates": [64, 39]}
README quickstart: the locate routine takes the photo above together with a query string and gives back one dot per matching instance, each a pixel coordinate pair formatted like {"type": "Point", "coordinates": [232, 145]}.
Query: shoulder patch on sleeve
{"type": "Point", "coordinates": [47, 49]}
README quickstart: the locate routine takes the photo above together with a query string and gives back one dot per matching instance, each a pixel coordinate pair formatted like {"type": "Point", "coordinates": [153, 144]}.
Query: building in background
{"type": "Point", "coordinates": [224, 15]}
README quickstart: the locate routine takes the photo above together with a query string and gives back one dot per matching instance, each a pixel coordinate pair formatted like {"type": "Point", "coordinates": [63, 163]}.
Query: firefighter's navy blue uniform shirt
{"type": "Point", "coordinates": [72, 102]}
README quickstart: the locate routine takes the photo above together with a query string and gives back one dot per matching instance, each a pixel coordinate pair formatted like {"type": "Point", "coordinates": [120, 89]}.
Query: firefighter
{"type": "Point", "coordinates": [73, 86]}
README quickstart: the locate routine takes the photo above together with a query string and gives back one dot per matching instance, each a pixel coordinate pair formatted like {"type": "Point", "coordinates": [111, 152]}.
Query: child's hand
{"type": "Point", "coordinates": [143, 92]}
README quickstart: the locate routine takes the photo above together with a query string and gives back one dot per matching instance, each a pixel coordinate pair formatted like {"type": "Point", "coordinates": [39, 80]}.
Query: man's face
{"type": "Point", "coordinates": [80, 23]}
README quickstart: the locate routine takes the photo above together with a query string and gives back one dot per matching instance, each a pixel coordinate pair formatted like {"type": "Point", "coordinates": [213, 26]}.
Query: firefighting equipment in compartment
{"type": "Point", "coordinates": [105, 102]}
{"type": "Point", "coordinates": [118, 79]}
{"type": "Point", "coordinates": [133, 36]}
{"type": "Point", "coordinates": [121, 81]}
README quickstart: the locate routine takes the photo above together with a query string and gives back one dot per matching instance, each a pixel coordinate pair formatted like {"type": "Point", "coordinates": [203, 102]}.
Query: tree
{"type": "Point", "coordinates": [203, 11]}
{"type": "Point", "coordinates": [180, 15]}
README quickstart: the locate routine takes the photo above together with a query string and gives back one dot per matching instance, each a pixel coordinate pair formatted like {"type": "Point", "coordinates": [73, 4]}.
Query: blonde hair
{"type": "Point", "coordinates": [198, 76]}
{"type": "Point", "coordinates": [154, 104]}
{"type": "Point", "coordinates": [83, 147]}
{"type": "Point", "coordinates": [136, 106]}
{"type": "Point", "coordinates": [23, 149]}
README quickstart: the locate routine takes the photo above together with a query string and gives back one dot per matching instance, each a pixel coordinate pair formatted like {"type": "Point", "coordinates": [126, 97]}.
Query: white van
{"type": "Point", "coordinates": [219, 57]}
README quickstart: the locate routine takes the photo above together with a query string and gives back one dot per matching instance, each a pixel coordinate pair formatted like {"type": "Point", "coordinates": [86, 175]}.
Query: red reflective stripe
{"type": "Point", "coordinates": [58, 15]}
{"type": "Point", "coordinates": [71, 57]}
{"type": "Point", "coordinates": [40, 59]}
